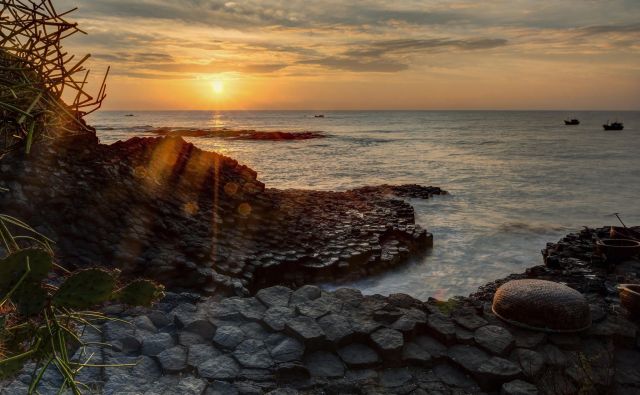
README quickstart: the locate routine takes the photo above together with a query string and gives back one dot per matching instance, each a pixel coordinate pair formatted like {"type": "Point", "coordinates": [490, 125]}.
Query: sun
{"type": "Point", "coordinates": [218, 87]}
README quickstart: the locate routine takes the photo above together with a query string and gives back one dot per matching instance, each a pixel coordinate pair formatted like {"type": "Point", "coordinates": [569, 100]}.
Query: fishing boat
{"type": "Point", "coordinates": [572, 121]}
{"type": "Point", "coordinates": [613, 126]}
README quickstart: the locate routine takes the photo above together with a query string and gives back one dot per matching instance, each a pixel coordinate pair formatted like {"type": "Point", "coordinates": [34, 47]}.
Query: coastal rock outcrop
{"type": "Point", "coordinates": [164, 209]}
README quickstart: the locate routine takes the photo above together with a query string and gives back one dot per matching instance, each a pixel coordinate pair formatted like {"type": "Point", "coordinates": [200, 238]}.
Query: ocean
{"type": "Point", "coordinates": [517, 179]}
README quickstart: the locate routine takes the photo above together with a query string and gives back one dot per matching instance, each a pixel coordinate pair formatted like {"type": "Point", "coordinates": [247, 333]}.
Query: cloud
{"type": "Point", "coordinates": [404, 46]}
{"type": "Point", "coordinates": [352, 64]}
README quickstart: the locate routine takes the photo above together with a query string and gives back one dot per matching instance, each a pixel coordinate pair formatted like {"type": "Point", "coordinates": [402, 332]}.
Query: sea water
{"type": "Point", "coordinates": [516, 179]}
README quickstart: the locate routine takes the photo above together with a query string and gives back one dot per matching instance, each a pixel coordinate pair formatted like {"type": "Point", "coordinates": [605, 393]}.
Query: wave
{"type": "Point", "coordinates": [531, 227]}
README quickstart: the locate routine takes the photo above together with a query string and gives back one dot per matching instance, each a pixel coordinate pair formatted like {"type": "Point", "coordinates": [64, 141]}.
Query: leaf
{"type": "Point", "coordinates": [13, 267]}
{"type": "Point", "coordinates": [30, 299]}
{"type": "Point", "coordinates": [85, 288]}
{"type": "Point", "coordinates": [140, 293]}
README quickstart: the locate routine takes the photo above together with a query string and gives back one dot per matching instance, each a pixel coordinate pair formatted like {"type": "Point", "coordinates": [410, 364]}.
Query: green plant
{"type": "Point", "coordinates": [40, 321]}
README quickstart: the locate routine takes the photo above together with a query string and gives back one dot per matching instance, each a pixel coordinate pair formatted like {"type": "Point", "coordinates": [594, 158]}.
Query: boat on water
{"type": "Point", "coordinates": [613, 125]}
{"type": "Point", "coordinates": [572, 121]}
{"type": "Point", "coordinates": [319, 116]}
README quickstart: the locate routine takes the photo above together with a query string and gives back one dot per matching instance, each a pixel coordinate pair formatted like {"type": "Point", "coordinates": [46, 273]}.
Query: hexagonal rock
{"type": "Point", "coordinates": [173, 360]}
{"type": "Point", "coordinates": [277, 296]}
{"type": "Point", "coordinates": [358, 355]}
{"type": "Point", "coordinates": [189, 319]}
{"type": "Point", "coordinates": [324, 364]}
{"type": "Point", "coordinates": [469, 358]}
{"type": "Point", "coordinates": [228, 337]}
{"type": "Point", "coordinates": [276, 317]}
{"type": "Point", "coordinates": [414, 354]}
{"type": "Point", "coordinates": [219, 368]}
{"type": "Point", "coordinates": [199, 353]}
{"type": "Point", "coordinates": [453, 377]}
{"type": "Point", "coordinates": [553, 355]}
{"type": "Point", "coordinates": [495, 371]}
{"type": "Point", "coordinates": [349, 296]}
{"type": "Point", "coordinates": [441, 327]}
{"type": "Point", "coordinates": [155, 344]}
{"type": "Point", "coordinates": [431, 345]}
{"type": "Point", "coordinates": [337, 329]}
{"type": "Point", "coordinates": [531, 362]}
{"type": "Point", "coordinates": [287, 350]}
{"type": "Point", "coordinates": [468, 319]}
{"type": "Point", "coordinates": [410, 321]}
{"type": "Point", "coordinates": [253, 354]}
{"type": "Point", "coordinates": [306, 330]}
{"type": "Point", "coordinates": [529, 339]}
{"type": "Point", "coordinates": [389, 342]}
{"type": "Point", "coordinates": [395, 377]}
{"type": "Point", "coordinates": [190, 385]}
{"type": "Point", "coordinates": [518, 387]}
{"type": "Point", "coordinates": [494, 339]}
{"type": "Point", "coordinates": [305, 293]}
{"type": "Point", "coordinates": [323, 305]}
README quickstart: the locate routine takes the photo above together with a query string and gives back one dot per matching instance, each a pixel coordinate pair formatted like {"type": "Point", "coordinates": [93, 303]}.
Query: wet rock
{"type": "Point", "coordinates": [324, 364]}
{"type": "Point", "coordinates": [358, 355]}
{"type": "Point", "coordinates": [494, 339]}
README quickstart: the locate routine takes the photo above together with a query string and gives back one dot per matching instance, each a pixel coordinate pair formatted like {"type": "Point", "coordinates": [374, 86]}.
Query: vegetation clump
{"type": "Point", "coordinates": [42, 322]}
{"type": "Point", "coordinates": [36, 75]}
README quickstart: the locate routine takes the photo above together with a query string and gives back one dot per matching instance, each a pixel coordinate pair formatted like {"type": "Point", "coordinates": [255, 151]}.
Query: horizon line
{"type": "Point", "coordinates": [369, 110]}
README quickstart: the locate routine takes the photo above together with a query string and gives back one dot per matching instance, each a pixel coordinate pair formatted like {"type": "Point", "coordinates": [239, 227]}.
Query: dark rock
{"type": "Point", "coordinates": [173, 360]}
{"type": "Point", "coordinates": [219, 368]}
{"type": "Point", "coordinates": [442, 328]}
{"type": "Point", "coordinates": [253, 354]}
{"type": "Point", "coordinates": [531, 362]}
{"type": "Point", "coordinates": [277, 296]}
{"type": "Point", "coordinates": [468, 319]}
{"type": "Point", "coordinates": [155, 344]}
{"type": "Point", "coordinates": [495, 371]}
{"type": "Point", "coordinates": [304, 294]}
{"type": "Point", "coordinates": [414, 354]}
{"type": "Point", "coordinates": [432, 346]}
{"type": "Point", "coordinates": [287, 349]}
{"type": "Point", "coordinates": [518, 387]}
{"type": "Point", "coordinates": [390, 378]}
{"type": "Point", "coordinates": [494, 339]}
{"type": "Point", "coordinates": [455, 378]}
{"type": "Point", "coordinates": [200, 353]}
{"type": "Point", "coordinates": [470, 358]}
{"type": "Point", "coordinates": [529, 339]}
{"type": "Point", "coordinates": [337, 329]}
{"type": "Point", "coordinates": [228, 337]}
{"type": "Point", "coordinates": [358, 355]}
{"type": "Point", "coordinates": [306, 330]}
{"type": "Point", "coordinates": [291, 372]}
{"type": "Point", "coordinates": [276, 317]}
{"type": "Point", "coordinates": [324, 364]}
{"type": "Point", "coordinates": [389, 342]}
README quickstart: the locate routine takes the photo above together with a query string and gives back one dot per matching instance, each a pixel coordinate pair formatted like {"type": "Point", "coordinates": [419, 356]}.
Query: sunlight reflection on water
{"type": "Point", "coordinates": [517, 179]}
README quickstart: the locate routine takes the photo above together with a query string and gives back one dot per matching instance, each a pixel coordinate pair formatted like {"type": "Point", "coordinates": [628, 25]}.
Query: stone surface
{"type": "Point", "coordinates": [253, 354]}
{"type": "Point", "coordinates": [388, 341]}
{"type": "Point", "coordinates": [495, 339]}
{"type": "Point", "coordinates": [358, 355]}
{"type": "Point", "coordinates": [228, 337]}
{"type": "Point", "coordinates": [306, 330]}
{"type": "Point", "coordinates": [324, 364]}
{"type": "Point", "coordinates": [518, 387]}
{"type": "Point", "coordinates": [219, 368]}
{"type": "Point", "coordinates": [173, 360]}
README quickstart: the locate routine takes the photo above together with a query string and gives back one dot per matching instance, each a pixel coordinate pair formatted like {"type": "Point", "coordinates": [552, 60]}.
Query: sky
{"type": "Point", "coordinates": [330, 54]}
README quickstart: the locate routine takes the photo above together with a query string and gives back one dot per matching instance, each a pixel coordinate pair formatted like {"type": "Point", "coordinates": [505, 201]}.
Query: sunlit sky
{"type": "Point", "coordinates": [331, 54]}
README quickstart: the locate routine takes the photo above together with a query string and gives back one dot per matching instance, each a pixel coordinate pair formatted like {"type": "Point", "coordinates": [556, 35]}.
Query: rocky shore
{"type": "Point", "coordinates": [241, 317]}
{"type": "Point", "coordinates": [194, 220]}
{"type": "Point", "coordinates": [309, 341]}
{"type": "Point", "coordinates": [244, 134]}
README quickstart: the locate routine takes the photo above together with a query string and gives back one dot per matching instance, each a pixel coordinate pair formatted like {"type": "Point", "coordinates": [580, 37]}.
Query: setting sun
{"type": "Point", "coordinates": [218, 87]}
